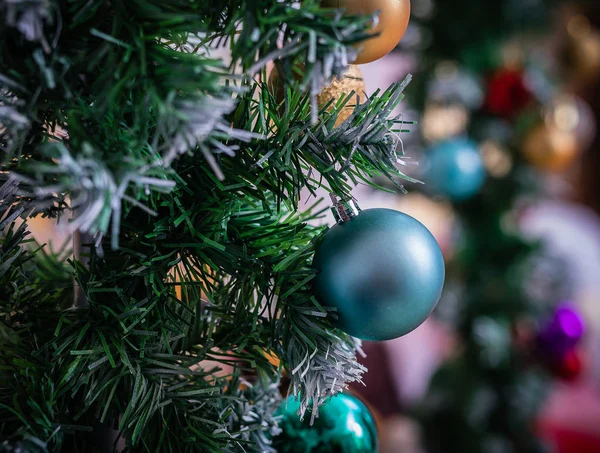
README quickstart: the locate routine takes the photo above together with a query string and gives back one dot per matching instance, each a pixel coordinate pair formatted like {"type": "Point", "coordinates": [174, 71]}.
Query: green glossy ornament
{"type": "Point", "coordinates": [381, 269]}
{"type": "Point", "coordinates": [344, 425]}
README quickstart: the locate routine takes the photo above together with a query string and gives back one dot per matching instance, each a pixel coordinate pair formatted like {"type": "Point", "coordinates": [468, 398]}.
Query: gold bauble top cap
{"type": "Point", "coordinates": [391, 25]}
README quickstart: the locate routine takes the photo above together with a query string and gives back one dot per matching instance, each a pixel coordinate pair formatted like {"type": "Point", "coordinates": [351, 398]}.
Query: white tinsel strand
{"type": "Point", "coordinates": [29, 17]}
{"type": "Point", "coordinates": [201, 119]}
{"type": "Point", "coordinates": [256, 409]}
{"type": "Point", "coordinates": [324, 371]}
{"type": "Point", "coordinates": [13, 128]}
{"type": "Point", "coordinates": [95, 193]}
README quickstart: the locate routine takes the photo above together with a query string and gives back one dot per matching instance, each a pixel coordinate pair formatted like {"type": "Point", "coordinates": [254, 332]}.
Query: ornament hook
{"type": "Point", "coordinates": [343, 210]}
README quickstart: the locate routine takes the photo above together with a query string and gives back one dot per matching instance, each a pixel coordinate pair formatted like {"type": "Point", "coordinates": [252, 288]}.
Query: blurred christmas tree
{"type": "Point", "coordinates": [181, 173]}
{"type": "Point", "coordinates": [495, 123]}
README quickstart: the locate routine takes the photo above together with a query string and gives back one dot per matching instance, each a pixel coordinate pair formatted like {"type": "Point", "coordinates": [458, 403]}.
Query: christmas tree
{"type": "Point", "coordinates": [494, 126]}
{"type": "Point", "coordinates": [149, 127]}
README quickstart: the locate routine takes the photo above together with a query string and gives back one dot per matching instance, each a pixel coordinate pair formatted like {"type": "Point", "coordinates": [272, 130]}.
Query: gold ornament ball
{"type": "Point", "coordinates": [582, 50]}
{"type": "Point", "coordinates": [392, 23]}
{"type": "Point", "coordinates": [351, 80]}
{"type": "Point", "coordinates": [550, 148]}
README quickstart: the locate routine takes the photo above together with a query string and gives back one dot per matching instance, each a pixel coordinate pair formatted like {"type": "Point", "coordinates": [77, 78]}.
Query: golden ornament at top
{"type": "Point", "coordinates": [351, 80]}
{"type": "Point", "coordinates": [393, 21]}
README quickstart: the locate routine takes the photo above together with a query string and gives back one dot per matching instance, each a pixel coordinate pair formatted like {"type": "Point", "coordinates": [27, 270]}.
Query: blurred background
{"type": "Point", "coordinates": [506, 101]}
{"type": "Point", "coordinates": [502, 114]}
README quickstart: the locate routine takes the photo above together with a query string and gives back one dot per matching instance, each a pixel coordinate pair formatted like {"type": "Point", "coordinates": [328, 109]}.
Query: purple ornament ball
{"type": "Point", "coordinates": [563, 331]}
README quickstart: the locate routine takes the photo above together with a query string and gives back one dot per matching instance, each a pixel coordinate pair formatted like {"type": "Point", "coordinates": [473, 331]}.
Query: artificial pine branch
{"type": "Point", "coordinates": [116, 115]}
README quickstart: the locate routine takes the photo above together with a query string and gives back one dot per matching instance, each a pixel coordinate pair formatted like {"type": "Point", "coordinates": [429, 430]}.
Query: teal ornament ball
{"type": "Point", "coordinates": [382, 271]}
{"type": "Point", "coordinates": [455, 169]}
{"type": "Point", "coordinates": [344, 425]}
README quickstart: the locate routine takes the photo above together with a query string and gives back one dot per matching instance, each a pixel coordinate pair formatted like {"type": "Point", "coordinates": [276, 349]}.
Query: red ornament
{"type": "Point", "coordinates": [507, 94]}
{"type": "Point", "coordinates": [569, 367]}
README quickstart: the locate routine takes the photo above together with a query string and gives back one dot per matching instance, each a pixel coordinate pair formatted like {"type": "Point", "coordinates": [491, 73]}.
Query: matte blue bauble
{"type": "Point", "coordinates": [455, 169]}
{"type": "Point", "coordinates": [345, 425]}
{"type": "Point", "coordinates": [383, 271]}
